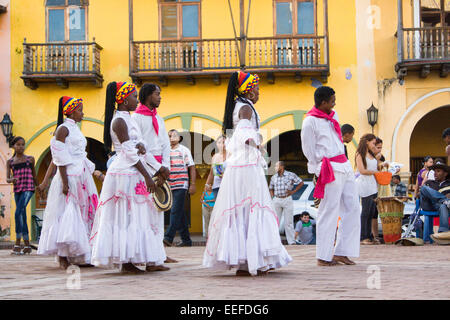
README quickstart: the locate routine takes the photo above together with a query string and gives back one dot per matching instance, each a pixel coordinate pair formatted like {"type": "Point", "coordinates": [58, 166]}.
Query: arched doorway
{"type": "Point", "coordinates": [95, 152]}
{"type": "Point", "coordinates": [202, 149]}
{"type": "Point", "coordinates": [287, 147]}
{"type": "Point", "coordinates": [426, 138]}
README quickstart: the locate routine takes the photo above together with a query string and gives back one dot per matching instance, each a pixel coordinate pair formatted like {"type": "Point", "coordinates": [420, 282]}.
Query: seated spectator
{"type": "Point", "coordinates": [305, 230]}
{"type": "Point", "coordinates": [399, 187]}
{"type": "Point", "coordinates": [436, 193]}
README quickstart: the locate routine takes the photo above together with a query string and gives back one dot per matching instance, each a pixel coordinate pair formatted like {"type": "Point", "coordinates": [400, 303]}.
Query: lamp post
{"type": "Point", "coordinates": [372, 116]}
{"type": "Point", "coordinates": [7, 125]}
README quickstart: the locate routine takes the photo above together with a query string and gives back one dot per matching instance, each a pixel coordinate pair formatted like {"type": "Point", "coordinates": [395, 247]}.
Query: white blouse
{"type": "Point", "coordinates": [71, 153]}
{"type": "Point", "coordinates": [367, 185]}
{"type": "Point", "coordinates": [255, 116]}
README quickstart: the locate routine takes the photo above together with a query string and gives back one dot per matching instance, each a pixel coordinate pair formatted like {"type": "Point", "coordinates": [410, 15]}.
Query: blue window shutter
{"type": "Point", "coordinates": [305, 16]}
{"type": "Point", "coordinates": [56, 25]}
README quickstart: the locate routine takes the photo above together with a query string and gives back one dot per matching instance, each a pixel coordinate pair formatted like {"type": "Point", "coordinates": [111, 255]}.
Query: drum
{"type": "Point", "coordinates": [390, 210]}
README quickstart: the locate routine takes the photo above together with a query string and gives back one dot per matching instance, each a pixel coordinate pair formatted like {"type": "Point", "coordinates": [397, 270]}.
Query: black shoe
{"type": "Point", "coordinates": [167, 243]}
{"type": "Point", "coordinates": [184, 244]}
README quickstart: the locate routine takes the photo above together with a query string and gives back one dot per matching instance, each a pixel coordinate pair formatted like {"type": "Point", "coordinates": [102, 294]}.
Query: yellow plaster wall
{"type": "Point", "coordinates": [108, 23]}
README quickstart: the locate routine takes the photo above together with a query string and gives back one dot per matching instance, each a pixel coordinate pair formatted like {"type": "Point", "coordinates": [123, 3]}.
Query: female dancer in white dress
{"type": "Point", "coordinates": [126, 230]}
{"type": "Point", "coordinates": [243, 231]}
{"type": "Point", "coordinates": [72, 198]}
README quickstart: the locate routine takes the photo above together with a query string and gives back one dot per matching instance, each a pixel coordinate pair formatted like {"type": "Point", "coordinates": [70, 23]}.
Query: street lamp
{"type": "Point", "coordinates": [7, 125]}
{"type": "Point", "coordinates": [372, 116]}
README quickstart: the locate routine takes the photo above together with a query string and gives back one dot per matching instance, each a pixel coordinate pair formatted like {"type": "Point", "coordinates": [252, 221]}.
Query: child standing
{"type": "Point", "coordinates": [208, 199]}
{"type": "Point", "coordinates": [24, 180]}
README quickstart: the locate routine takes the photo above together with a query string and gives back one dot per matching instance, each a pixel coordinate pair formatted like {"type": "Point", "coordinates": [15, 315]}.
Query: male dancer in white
{"type": "Point", "coordinates": [156, 139]}
{"type": "Point", "coordinates": [323, 147]}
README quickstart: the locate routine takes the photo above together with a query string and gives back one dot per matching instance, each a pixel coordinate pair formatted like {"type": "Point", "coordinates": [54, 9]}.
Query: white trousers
{"type": "Point", "coordinates": [284, 207]}
{"type": "Point", "coordinates": [340, 200]}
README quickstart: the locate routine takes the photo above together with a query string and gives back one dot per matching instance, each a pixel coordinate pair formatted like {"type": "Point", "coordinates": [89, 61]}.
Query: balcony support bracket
{"type": "Point", "coordinates": [270, 77]}
{"type": "Point", "coordinates": [445, 70]}
{"type": "Point", "coordinates": [425, 71]}
{"type": "Point", "coordinates": [298, 77]}
{"type": "Point", "coordinates": [216, 80]}
{"type": "Point", "coordinates": [63, 83]}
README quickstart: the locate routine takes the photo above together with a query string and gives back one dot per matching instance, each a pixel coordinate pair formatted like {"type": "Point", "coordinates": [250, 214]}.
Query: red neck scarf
{"type": "Point", "coordinates": [315, 112]}
{"type": "Point", "coordinates": [144, 110]}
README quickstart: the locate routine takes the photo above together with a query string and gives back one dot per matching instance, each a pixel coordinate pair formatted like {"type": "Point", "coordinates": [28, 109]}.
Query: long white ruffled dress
{"type": "Point", "coordinates": [243, 231]}
{"type": "Point", "coordinates": [68, 219]}
{"type": "Point", "coordinates": [126, 228]}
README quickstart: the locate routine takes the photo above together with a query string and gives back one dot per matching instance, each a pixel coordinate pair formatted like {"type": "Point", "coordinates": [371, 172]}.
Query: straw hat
{"type": "Point", "coordinates": [162, 196]}
{"type": "Point", "coordinates": [410, 242]}
{"type": "Point", "coordinates": [441, 238]}
{"type": "Point", "coordinates": [440, 164]}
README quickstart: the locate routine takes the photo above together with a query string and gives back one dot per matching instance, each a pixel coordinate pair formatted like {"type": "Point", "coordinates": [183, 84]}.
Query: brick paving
{"type": "Point", "coordinates": [404, 273]}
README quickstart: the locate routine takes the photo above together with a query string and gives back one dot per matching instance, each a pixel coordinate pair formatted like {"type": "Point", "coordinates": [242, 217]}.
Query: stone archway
{"type": "Point", "coordinates": [400, 151]}
{"type": "Point", "coordinates": [426, 138]}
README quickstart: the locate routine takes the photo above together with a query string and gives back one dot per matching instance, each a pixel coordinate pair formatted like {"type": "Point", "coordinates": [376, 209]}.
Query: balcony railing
{"type": "Point", "coordinates": [424, 49]}
{"type": "Point", "coordinates": [296, 54]}
{"type": "Point", "coordinates": [61, 62]}
{"type": "Point", "coordinates": [426, 44]}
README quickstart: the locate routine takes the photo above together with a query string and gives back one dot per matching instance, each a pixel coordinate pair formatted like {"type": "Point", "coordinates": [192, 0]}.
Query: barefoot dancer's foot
{"type": "Point", "coordinates": [170, 260]}
{"type": "Point", "coordinates": [156, 268]}
{"type": "Point", "coordinates": [63, 263]}
{"type": "Point", "coordinates": [242, 273]}
{"type": "Point", "coordinates": [344, 260]}
{"type": "Point", "coordinates": [131, 268]}
{"type": "Point", "coordinates": [323, 263]}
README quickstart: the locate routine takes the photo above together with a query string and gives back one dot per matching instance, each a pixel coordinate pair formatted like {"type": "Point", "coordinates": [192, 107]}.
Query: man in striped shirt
{"type": "Point", "coordinates": [182, 178]}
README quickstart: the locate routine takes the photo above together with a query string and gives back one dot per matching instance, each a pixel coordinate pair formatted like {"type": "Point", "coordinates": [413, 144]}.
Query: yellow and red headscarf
{"type": "Point", "coordinates": [70, 104]}
{"type": "Point", "coordinates": [247, 82]}
{"type": "Point", "coordinates": [124, 89]}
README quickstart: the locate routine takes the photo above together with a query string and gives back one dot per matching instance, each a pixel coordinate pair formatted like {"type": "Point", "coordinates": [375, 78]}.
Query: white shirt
{"type": "Point", "coordinates": [157, 145]}
{"type": "Point", "coordinates": [319, 140]}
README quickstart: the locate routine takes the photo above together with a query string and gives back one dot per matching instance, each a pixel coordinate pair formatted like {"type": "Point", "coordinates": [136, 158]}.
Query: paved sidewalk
{"type": "Point", "coordinates": [398, 273]}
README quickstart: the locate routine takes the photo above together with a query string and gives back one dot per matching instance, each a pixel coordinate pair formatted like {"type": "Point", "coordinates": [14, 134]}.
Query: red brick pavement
{"type": "Point", "coordinates": [403, 273]}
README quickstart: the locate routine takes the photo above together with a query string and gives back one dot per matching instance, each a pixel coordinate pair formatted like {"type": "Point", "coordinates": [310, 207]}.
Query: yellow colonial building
{"type": "Point", "coordinates": [393, 54]}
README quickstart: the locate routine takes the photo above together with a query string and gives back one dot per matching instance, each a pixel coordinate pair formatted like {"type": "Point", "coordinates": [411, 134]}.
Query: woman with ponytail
{"type": "Point", "coordinates": [72, 198]}
{"type": "Point", "coordinates": [367, 166]}
{"type": "Point", "coordinates": [243, 231]}
{"type": "Point", "coordinates": [126, 231]}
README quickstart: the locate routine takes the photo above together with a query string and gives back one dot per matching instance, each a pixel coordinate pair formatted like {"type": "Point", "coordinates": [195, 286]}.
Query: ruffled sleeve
{"type": "Point", "coordinates": [242, 133]}
{"type": "Point", "coordinates": [60, 153]}
{"type": "Point", "coordinates": [240, 153]}
{"type": "Point", "coordinates": [129, 153]}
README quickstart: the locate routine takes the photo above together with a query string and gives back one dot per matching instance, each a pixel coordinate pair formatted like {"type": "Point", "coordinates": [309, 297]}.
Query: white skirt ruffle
{"type": "Point", "coordinates": [243, 230]}
{"type": "Point", "coordinates": [68, 219]}
{"type": "Point", "coordinates": [126, 228]}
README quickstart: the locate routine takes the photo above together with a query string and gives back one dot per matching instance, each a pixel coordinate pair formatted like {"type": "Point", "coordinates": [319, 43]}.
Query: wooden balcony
{"type": "Point", "coordinates": [61, 63]}
{"type": "Point", "coordinates": [295, 55]}
{"type": "Point", "coordinates": [423, 50]}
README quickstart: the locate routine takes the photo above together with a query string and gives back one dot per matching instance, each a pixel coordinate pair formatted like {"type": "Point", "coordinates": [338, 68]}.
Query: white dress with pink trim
{"type": "Point", "coordinates": [68, 219]}
{"type": "Point", "coordinates": [126, 228]}
{"type": "Point", "coordinates": [244, 228]}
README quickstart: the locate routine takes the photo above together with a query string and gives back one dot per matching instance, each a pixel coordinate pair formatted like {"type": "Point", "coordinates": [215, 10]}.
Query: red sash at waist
{"type": "Point", "coordinates": [159, 159]}
{"type": "Point", "coordinates": [327, 174]}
